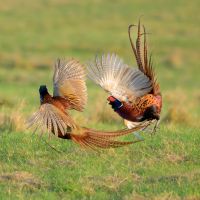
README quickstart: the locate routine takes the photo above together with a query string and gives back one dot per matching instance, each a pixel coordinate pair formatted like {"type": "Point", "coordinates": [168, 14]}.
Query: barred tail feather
{"type": "Point", "coordinates": [109, 134]}
{"type": "Point", "coordinates": [92, 142]}
{"type": "Point", "coordinates": [102, 139]}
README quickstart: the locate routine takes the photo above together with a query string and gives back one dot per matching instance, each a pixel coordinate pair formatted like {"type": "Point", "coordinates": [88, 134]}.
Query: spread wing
{"type": "Point", "coordinates": [121, 81]}
{"type": "Point", "coordinates": [50, 119]}
{"type": "Point", "coordinates": [69, 83]}
{"type": "Point", "coordinates": [144, 62]}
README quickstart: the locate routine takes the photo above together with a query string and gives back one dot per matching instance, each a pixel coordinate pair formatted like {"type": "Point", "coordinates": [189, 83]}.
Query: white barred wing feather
{"type": "Point", "coordinates": [121, 81]}
{"type": "Point", "coordinates": [50, 119]}
{"type": "Point", "coordinates": [69, 82]}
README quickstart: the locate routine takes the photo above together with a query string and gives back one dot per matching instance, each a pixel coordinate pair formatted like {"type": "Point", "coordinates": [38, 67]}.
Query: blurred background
{"type": "Point", "coordinates": [34, 33]}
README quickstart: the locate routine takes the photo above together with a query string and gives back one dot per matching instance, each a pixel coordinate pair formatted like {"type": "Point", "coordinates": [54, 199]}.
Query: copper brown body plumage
{"type": "Point", "coordinates": [134, 92]}
{"type": "Point", "coordinates": [70, 92]}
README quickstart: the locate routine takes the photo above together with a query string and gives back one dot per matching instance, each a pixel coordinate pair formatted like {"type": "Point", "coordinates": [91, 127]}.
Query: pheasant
{"type": "Point", "coordinates": [69, 92]}
{"type": "Point", "coordinates": [134, 92]}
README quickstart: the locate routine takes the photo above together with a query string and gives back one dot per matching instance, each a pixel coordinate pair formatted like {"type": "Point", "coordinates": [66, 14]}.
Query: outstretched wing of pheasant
{"type": "Point", "coordinates": [121, 81]}
{"type": "Point", "coordinates": [50, 119]}
{"type": "Point", "coordinates": [69, 83]}
{"type": "Point", "coordinates": [144, 61]}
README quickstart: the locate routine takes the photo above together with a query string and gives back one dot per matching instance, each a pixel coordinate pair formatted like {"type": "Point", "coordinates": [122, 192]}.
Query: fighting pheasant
{"type": "Point", "coordinates": [69, 92]}
{"type": "Point", "coordinates": [134, 92]}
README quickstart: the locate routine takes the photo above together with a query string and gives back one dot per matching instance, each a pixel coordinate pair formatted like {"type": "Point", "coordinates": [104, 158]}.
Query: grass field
{"type": "Point", "coordinates": [33, 34]}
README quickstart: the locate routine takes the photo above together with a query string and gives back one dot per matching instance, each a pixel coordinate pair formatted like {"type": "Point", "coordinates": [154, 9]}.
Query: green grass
{"type": "Point", "coordinates": [33, 35]}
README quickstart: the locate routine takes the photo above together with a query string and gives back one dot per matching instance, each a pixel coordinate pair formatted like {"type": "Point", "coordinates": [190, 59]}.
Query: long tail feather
{"type": "Point", "coordinates": [103, 139]}
{"type": "Point", "coordinates": [93, 143]}
{"type": "Point", "coordinates": [144, 63]}
{"type": "Point", "coordinates": [109, 143]}
{"type": "Point", "coordinates": [138, 46]}
{"type": "Point", "coordinates": [119, 132]}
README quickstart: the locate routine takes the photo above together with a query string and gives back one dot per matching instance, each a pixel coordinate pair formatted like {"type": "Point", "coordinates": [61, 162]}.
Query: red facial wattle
{"type": "Point", "coordinates": [111, 99]}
